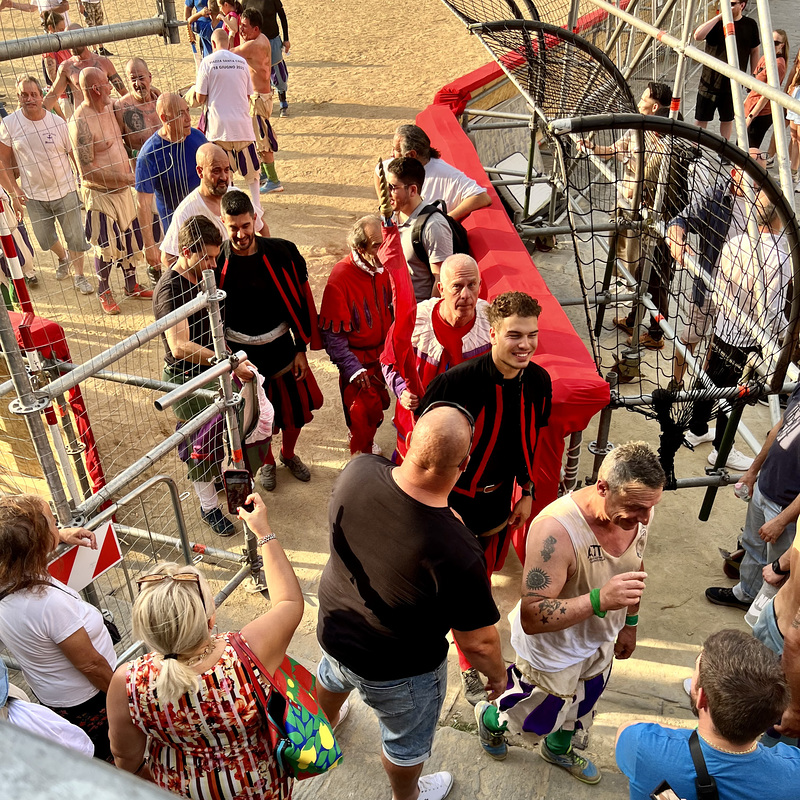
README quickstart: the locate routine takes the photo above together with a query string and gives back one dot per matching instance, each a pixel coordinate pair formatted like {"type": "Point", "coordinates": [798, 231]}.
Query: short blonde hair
{"type": "Point", "coordinates": [171, 617]}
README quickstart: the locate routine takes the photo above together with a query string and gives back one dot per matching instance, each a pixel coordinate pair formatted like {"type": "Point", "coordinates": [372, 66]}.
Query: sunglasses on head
{"type": "Point", "coordinates": [178, 577]}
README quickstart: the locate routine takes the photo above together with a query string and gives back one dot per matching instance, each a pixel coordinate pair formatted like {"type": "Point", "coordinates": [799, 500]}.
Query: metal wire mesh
{"type": "Point", "coordinates": [736, 279]}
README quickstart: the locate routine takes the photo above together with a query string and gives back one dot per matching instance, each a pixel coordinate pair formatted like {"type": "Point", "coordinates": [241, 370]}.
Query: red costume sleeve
{"type": "Point", "coordinates": [398, 352]}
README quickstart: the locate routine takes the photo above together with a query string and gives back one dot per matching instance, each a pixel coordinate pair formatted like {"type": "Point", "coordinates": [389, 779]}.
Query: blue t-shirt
{"type": "Point", "coordinates": [779, 479]}
{"type": "Point", "coordinates": [168, 170]}
{"type": "Point", "coordinates": [648, 754]}
{"type": "Point", "coordinates": [201, 25]}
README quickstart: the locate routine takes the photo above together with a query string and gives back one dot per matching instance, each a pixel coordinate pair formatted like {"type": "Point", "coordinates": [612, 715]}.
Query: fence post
{"type": "Point", "coordinates": [30, 406]}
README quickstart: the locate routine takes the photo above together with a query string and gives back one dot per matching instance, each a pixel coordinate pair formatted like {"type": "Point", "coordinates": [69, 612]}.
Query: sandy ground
{"type": "Point", "coordinates": [355, 73]}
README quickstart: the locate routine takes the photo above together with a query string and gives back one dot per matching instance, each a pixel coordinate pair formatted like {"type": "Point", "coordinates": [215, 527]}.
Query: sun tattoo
{"type": "Point", "coordinates": [537, 579]}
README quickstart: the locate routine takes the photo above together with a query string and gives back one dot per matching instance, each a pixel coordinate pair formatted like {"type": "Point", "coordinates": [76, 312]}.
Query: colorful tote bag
{"type": "Point", "coordinates": [301, 736]}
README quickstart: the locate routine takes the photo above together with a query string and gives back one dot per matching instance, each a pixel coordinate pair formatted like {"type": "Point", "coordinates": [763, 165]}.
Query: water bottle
{"type": "Point", "coordinates": [767, 592]}
{"type": "Point", "coordinates": [742, 491]}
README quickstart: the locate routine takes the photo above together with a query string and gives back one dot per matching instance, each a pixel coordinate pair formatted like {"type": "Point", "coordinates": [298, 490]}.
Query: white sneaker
{"type": "Point", "coordinates": [344, 710]}
{"type": "Point", "coordinates": [436, 786]}
{"type": "Point", "coordinates": [695, 440]}
{"type": "Point", "coordinates": [736, 460]}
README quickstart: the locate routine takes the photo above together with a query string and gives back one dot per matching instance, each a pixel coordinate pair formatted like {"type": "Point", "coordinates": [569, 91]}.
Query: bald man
{"type": "Point", "coordinates": [402, 569]}
{"type": "Point", "coordinates": [166, 169]}
{"type": "Point", "coordinates": [111, 223]}
{"type": "Point", "coordinates": [136, 112]}
{"type": "Point", "coordinates": [214, 171]}
{"type": "Point", "coordinates": [69, 75]}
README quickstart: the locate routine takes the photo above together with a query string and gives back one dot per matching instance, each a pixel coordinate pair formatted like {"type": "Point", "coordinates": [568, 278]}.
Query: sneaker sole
{"type": "Point", "coordinates": [581, 778]}
{"type": "Point", "coordinates": [737, 604]}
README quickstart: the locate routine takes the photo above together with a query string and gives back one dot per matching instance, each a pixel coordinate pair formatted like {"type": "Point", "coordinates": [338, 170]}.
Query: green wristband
{"type": "Point", "coordinates": [594, 597]}
{"type": "Point", "coordinates": [632, 621]}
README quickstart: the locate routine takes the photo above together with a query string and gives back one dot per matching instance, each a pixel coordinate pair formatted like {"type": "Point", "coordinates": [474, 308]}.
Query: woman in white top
{"type": "Point", "coordinates": [60, 642]}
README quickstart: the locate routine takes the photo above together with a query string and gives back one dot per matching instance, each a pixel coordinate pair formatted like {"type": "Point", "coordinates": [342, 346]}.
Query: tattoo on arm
{"type": "Point", "coordinates": [117, 83]}
{"type": "Point", "coordinates": [537, 579]}
{"type": "Point", "coordinates": [796, 620]}
{"type": "Point", "coordinates": [548, 547]}
{"type": "Point", "coordinates": [84, 142]}
{"type": "Point", "coordinates": [547, 607]}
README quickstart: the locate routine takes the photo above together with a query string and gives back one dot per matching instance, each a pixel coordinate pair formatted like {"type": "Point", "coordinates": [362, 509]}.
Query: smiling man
{"type": "Point", "coordinates": [270, 313]}
{"type": "Point", "coordinates": [509, 397]}
{"type": "Point", "coordinates": [136, 112]}
{"type": "Point", "coordinates": [583, 581]}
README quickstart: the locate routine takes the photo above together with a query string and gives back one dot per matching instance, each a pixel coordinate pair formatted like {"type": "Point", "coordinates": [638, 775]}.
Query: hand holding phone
{"type": "Point", "coordinates": [238, 485]}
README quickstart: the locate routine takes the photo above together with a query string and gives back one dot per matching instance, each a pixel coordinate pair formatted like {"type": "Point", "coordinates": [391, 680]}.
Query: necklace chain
{"type": "Point", "coordinates": [732, 752]}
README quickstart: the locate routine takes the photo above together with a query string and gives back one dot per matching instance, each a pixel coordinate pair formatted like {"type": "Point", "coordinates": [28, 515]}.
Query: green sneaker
{"type": "Point", "coordinates": [577, 766]}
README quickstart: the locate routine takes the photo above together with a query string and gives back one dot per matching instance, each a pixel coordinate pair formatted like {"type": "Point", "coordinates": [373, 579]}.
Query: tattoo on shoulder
{"type": "Point", "coordinates": [84, 141]}
{"type": "Point", "coordinates": [548, 547]}
{"type": "Point", "coordinates": [537, 579]}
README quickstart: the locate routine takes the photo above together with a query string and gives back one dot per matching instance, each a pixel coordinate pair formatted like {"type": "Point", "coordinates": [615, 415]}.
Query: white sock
{"type": "Point", "coordinates": [255, 194]}
{"type": "Point", "coordinates": [207, 494]}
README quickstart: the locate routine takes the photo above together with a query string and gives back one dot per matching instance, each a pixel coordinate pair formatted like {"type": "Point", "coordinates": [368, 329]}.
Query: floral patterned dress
{"type": "Point", "coordinates": [211, 745]}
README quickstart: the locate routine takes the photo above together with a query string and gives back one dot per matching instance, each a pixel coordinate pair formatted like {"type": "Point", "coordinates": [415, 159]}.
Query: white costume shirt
{"type": "Point", "coordinates": [41, 149]}
{"type": "Point", "coordinates": [224, 78]}
{"type": "Point", "coordinates": [191, 206]}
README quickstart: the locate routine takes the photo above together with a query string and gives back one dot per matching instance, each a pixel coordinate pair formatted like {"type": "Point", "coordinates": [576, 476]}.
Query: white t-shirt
{"type": "Point", "coordinates": [42, 150]}
{"type": "Point", "coordinates": [225, 79]}
{"type": "Point", "coordinates": [32, 624]}
{"type": "Point", "coordinates": [192, 205]}
{"type": "Point", "coordinates": [444, 182]}
{"type": "Point", "coordinates": [46, 5]}
{"type": "Point", "coordinates": [46, 723]}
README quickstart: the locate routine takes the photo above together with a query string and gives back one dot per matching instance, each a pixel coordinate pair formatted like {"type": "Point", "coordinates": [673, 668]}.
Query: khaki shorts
{"type": "Point", "coordinates": [243, 158]}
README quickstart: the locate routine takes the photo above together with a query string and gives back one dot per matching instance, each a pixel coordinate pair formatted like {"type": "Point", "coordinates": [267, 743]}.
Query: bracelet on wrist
{"type": "Point", "coordinates": [526, 493]}
{"type": "Point", "coordinates": [594, 599]}
{"type": "Point", "coordinates": [776, 568]}
{"type": "Point", "coordinates": [631, 620]}
{"type": "Point", "coordinates": [268, 538]}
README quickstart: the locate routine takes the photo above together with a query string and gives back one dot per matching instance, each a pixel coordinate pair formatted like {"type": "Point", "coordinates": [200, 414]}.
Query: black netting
{"type": "Point", "coordinates": [472, 11]}
{"type": "Point", "coordinates": [561, 74]}
{"type": "Point", "coordinates": [688, 254]}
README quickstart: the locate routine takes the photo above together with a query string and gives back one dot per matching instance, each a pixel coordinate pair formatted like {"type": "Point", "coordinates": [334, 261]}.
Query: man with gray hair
{"type": "Point", "coordinates": [583, 581]}
{"type": "Point", "coordinates": [461, 194]}
{"type": "Point", "coordinates": [355, 317]}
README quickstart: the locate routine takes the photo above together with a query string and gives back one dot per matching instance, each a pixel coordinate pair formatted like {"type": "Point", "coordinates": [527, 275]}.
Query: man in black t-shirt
{"type": "Point", "coordinates": [714, 92]}
{"type": "Point", "coordinates": [270, 312]}
{"type": "Point", "coordinates": [188, 349]}
{"type": "Point", "coordinates": [403, 571]}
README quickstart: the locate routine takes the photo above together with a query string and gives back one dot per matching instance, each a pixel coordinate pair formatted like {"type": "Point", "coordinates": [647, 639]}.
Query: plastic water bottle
{"type": "Point", "coordinates": [767, 592]}
{"type": "Point", "coordinates": [742, 491]}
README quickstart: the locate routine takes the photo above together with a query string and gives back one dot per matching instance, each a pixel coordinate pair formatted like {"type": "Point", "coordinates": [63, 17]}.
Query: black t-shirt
{"type": "Point", "coordinates": [172, 291]}
{"type": "Point", "coordinates": [747, 37]}
{"type": "Point", "coordinates": [400, 575]}
{"type": "Point", "coordinates": [270, 10]}
{"type": "Point", "coordinates": [779, 479]}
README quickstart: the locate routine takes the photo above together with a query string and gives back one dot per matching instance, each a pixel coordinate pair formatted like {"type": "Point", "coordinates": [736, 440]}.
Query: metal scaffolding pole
{"type": "Point", "coordinates": [679, 83]}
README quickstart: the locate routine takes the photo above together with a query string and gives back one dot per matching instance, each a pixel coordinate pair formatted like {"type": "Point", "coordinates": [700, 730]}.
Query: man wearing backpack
{"type": "Point", "coordinates": [435, 239]}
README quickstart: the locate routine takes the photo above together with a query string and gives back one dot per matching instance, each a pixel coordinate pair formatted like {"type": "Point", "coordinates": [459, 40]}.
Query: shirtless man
{"type": "Point", "coordinates": [106, 179]}
{"type": "Point", "coordinates": [257, 52]}
{"type": "Point", "coordinates": [69, 75]}
{"type": "Point", "coordinates": [136, 111]}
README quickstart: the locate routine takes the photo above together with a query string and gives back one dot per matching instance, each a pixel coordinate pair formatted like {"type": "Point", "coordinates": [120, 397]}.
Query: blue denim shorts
{"type": "Point", "coordinates": [766, 628]}
{"type": "Point", "coordinates": [407, 709]}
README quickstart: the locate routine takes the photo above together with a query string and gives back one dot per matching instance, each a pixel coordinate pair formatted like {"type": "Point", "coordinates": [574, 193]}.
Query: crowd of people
{"type": "Point", "coordinates": [400, 315]}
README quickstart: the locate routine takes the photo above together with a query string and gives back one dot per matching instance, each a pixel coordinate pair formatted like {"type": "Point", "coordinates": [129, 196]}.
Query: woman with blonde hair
{"type": "Point", "coordinates": [757, 108]}
{"type": "Point", "coordinates": [184, 715]}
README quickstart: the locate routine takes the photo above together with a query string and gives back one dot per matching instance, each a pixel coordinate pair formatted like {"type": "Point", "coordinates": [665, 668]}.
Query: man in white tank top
{"type": "Point", "coordinates": [583, 580]}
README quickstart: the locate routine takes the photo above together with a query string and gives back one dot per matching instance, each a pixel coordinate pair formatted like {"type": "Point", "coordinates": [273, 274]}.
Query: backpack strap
{"type": "Point", "coordinates": [421, 220]}
{"type": "Point", "coordinates": [705, 785]}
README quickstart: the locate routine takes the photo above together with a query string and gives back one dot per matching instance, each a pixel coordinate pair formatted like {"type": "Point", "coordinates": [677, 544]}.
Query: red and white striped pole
{"type": "Point", "coordinates": [12, 259]}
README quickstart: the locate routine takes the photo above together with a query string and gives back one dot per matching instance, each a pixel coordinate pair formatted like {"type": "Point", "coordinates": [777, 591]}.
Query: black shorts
{"type": "Point", "coordinates": [709, 102]}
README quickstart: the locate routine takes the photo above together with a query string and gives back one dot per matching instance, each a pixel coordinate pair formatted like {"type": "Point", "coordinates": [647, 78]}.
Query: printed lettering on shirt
{"type": "Point", "coordinates": [595, 553]}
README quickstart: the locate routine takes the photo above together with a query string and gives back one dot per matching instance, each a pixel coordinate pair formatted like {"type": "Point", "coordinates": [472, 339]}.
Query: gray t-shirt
{"type": "Point", "coordinates": [779, 479]}
{"type": "Point", "coordinates": [437, 239]}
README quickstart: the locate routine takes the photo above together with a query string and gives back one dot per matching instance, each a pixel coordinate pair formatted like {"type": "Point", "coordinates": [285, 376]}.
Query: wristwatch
{"type": "Point", "coordinates": [776, 568]}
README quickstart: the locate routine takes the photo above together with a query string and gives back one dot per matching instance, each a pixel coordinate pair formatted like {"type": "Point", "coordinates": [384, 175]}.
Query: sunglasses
{"type": "Point", "coordinates": [396, 187]}
{"type": "Point", "coordinates": [459, 408]}
{"type": "Point", "coordinates": [178, 577]}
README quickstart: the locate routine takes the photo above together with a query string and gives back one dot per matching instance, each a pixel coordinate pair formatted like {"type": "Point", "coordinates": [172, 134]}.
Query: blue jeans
{"type": "Point", "coordinates": [278, 77]}
{"type": "Point", "coordinates": [766, 628]}
{"type": "Point", "coordinates": [757, 552]}
{"type": "Point", "coordinates": [407, 708]}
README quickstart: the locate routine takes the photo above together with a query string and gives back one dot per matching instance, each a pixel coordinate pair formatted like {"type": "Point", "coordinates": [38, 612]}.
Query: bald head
{"type": "Point", "coordinates": [440, 441]}
{"type": "Point", "coordinates": [91, 80]}
{"type": "Point", "coordinates": [169, 104]}
{"type": "Point", "coordinates": [459, 263]}
{"type": "Point", "coordinates": [208, 153]}
{"type": "Point", "coordinates": [136, 63]}
{"type": "Point", "coordinates": [219, 40]}
{"type": "Point", "coordinates": [459, 287]}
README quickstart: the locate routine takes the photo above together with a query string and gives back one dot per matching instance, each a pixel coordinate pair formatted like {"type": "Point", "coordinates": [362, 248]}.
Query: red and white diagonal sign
{"type": "Point", "coordinates": [79, 566]}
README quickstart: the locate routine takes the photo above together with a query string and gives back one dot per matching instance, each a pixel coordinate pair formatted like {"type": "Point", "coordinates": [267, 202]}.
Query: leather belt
{"type": "Point", "coordinates": [262, 338]}
{"type": "Point", "coordinates": [489, 489]}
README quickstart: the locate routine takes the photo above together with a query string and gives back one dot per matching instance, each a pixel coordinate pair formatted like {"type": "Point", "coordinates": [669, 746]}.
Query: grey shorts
{"type": "Point", "coordinates": [698, 324]}
{"type": "Point", "coordinates": [67, 211]}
